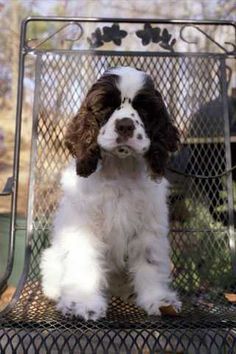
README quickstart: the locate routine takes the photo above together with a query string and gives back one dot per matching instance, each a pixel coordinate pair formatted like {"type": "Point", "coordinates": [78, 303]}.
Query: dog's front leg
{"type": "Point", "coordinates": [84, 279]}
{"type": "Point", "coordinates": [151, 268]}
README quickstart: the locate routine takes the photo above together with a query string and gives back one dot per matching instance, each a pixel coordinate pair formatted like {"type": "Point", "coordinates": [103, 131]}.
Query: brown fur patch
{"type": "Point", "coordinates": [82, 131]}
{"type": "Point", "coordinates": [163, 134]}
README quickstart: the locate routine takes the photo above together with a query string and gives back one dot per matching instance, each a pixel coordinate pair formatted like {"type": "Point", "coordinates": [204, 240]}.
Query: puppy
{"type": "Point", "coordinates": [113, 214]}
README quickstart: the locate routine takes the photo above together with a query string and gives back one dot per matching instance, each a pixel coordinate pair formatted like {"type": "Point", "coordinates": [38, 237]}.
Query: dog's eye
{"type": "Point", "coordinates": [142, 101]}
{"type": "Point", "coordinates": [112, 99]}
{"type": "Point", "coordinates": [143, 112]}
{"type": "Point", "coordinates": [142, 106]}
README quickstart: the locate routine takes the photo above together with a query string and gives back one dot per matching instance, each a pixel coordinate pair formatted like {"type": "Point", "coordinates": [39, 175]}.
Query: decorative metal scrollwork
{"type": "Point", "coordinates": [147, 35]}
{"type": "Point", "coordinates": [75, 38]}
{"type": "Point", "coordinates": [108, 34]}
{"type": "Point", "coordinates": [156, 35]}
{"type": "Point", "coordinates": [184, 39]}
{"type": "Point", "coordinates": [73, 32]}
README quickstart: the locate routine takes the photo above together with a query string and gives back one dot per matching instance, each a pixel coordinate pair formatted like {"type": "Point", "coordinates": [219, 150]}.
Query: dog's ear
{"type": "Point", "coordinates": [81, 140]}
{"type": "Point", "coordinates": [172, 134]}
{"type": "Point", "coordinates": [164, 137]}
{"type": "Point", "coordinates": [82, 131]}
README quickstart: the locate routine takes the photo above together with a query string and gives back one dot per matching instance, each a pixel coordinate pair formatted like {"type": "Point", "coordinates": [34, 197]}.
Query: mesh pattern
{"type": "Point", "coordinates": [200, 237]}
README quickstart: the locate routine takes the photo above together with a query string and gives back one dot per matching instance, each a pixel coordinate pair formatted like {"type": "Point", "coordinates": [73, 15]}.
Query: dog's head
{"type": "Point", "coordinates": [123, 115]}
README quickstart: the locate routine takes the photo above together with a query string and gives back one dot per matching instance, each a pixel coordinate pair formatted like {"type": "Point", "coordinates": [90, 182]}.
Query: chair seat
{"type": "Point", "coordinates": [195, 80]}
{"type": "Point", "coordinates": [33, 322]}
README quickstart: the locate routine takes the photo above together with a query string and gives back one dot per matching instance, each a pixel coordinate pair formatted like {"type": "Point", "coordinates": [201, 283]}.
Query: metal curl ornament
{"type": "Point", "coordinates": [225, 50]}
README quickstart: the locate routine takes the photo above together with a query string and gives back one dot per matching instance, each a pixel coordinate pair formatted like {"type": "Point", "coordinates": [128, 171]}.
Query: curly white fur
{"type": "Point", "coordinates": [116, 218]}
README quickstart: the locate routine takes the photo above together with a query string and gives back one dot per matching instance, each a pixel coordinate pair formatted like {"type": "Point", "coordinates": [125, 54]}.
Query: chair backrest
{"type": "Point", "coordinates": [194, 87]}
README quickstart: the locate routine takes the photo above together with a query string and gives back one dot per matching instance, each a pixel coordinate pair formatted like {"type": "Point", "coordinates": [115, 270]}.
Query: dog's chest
{"type": "Point", "coordinates": [123, 207]}
{"type": "Point", "coordinates": [120, 212]}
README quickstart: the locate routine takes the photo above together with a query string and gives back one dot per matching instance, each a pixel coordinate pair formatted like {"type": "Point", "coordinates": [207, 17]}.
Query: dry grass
{"type": "Point", "coordinates": [6, 296]}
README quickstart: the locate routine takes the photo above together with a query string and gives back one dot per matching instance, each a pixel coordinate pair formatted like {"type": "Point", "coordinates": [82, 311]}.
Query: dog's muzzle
{"type": "Point", "coordinates": [124, 128]}
{"type": "Point", "coordinates": [123, 151]}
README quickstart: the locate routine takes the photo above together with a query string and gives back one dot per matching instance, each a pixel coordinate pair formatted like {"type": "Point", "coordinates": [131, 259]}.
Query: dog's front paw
{"type": "Point", "coordinates": [92, 308]}
{"type": "Point", "coordinates": [152, 302]}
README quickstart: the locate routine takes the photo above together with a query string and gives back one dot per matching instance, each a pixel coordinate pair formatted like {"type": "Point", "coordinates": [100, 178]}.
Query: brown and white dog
{"type": "Point", "coordinates": [113, 214]}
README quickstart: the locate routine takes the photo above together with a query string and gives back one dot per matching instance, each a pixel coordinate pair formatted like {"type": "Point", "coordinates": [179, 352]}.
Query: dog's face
{"type": "Point", "coordinates": [122, 115]}
{"type": "Point", "coordinates": [123, 133]}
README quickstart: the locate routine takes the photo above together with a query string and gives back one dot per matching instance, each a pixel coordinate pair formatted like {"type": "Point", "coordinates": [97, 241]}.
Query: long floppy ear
{"type": "Point", "coordinates": [164, 137]}
{"type": "Point", "coordinates": [83, 129]}
{"type": "Point", "coordinates": [81, 140]}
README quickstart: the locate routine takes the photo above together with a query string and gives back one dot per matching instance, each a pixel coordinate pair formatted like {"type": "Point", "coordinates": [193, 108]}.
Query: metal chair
{"type": "Point", "coordinates": [191, 73]}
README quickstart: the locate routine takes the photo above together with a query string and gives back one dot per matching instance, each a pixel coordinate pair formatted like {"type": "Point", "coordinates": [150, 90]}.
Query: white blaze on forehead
{"type": "Point", "coordinates": [130, 80]}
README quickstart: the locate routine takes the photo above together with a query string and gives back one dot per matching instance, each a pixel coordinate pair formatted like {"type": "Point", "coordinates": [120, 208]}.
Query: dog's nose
{"type": "Point", "coordinates": [125, 127]}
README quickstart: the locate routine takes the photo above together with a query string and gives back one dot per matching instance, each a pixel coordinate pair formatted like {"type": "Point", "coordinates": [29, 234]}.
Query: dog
{"type": "Point", "coordinates": [114, 213]}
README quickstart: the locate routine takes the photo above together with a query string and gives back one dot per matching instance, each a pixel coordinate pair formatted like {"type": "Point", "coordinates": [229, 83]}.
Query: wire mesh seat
{"type": "Point", "coordinates": [202, 235]}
